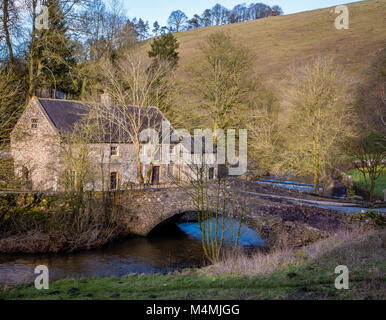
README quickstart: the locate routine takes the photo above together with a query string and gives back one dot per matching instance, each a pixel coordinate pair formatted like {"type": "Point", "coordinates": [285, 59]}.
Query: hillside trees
{"type": "Point", "coordinates": [321, 120]}
{"type": "Point", "coordinates": [177, 20]}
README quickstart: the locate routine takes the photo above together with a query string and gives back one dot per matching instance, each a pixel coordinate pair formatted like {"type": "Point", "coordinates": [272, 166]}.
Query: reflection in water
{"type": "Point", "coordinates": [175, 248]}
{"type": "Point", "coordinates": [248, 237]}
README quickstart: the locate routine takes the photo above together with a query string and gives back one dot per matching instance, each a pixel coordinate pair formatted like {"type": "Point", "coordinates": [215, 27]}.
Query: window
{"type": "Point", "coordinates": [114, 151]}
{"type": "Point", "coordinates": [34, 123]}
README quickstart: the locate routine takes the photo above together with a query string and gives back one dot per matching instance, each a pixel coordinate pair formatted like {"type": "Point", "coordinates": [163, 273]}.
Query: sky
{"type": "Point", "coordinates": [159, 10]}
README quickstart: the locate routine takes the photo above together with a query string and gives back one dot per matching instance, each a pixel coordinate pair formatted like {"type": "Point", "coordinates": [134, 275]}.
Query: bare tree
{"type": "Point", "coordinates": [370, 153]}
{"type": "Point", "coordinates": [219, 84]}
{"type": "Point", "coordinates": [321, 118]}
{"type": "Point", "coordinates": [135, 87]}
{"type": "Point", "coordinates": [11, 103]}
{"type": "Point", "coordinates": [219, 217]}
{"type": "Point", "coordinates": [9, 20]}
{"type": "Point", "coordinates": [177, 20]}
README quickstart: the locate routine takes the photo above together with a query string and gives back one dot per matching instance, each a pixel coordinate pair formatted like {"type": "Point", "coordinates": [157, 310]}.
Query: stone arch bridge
{"type": "Point", "coordinates": [277, 220]}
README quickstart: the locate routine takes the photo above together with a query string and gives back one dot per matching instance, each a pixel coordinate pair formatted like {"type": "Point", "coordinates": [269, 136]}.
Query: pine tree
{"type": "Point", "coordinates": [164, 48]}
{"type": "Point", "coordinates": [57, 51]}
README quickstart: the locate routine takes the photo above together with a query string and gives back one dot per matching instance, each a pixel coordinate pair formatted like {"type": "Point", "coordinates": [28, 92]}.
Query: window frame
{"type": "Point", "coordinates": [116, 150]}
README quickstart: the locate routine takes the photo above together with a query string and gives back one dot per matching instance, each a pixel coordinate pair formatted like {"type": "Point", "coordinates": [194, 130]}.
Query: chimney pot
{"type": "Point", "coordinates": [105, 99]}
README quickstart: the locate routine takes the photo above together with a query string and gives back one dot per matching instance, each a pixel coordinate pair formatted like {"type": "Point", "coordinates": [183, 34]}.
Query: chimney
{"type": "Point", "coordinates": [105, 99]}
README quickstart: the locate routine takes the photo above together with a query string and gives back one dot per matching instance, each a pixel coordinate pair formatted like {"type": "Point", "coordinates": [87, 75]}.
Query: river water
{"type": "Point", "coordinates": [174, 247]}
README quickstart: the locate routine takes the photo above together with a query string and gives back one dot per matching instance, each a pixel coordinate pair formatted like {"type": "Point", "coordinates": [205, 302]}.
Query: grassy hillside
{"type": "Point", "coordinates": [278, 42]}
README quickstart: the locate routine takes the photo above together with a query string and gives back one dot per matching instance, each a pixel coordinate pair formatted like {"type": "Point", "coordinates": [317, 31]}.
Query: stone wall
{"type": "Point", "coordinates": [36, 149]}
{"type": "Point", "coordinates": [38, 156]}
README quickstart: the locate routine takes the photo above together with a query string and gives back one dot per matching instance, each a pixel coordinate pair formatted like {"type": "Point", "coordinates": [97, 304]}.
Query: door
{"type": "Point", "coordinates": [155, 175]}
{"type": "Point", "coordinates": [113, 180]}
{"type": "Point", "coordinates": [211, 173]}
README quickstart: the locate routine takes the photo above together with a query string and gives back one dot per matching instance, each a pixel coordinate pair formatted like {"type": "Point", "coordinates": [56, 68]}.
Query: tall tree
{"type": "Point", "coordinates": [219, 81]}
{"type": "Point", "coordinates": [164, 48]}
{"type": "Point", "coordinates": [58, 53]}
{"type": "Point", "coordinates": [177, 20]}
{"type": "Point", "coordinates": [217, 14]}
{"type": "Point", "coordinates": [321, 121]}
{"type": "Point", "coordinates": [194, 23]}
{"type": "Point", "coordinates": [142, 29]}
{"type": "Point", "coordinates": [9, 17]}
{"type": "Point", "coordinates": [11, 102]}
{"type": "Point", "coordinates": [206, 18]}
{"type": "Point", "coordinates": [131, 81]}
{"type": "Point", "coordinates": [51, 50]}
{"type": "Point", "coordinates": [156, 28]}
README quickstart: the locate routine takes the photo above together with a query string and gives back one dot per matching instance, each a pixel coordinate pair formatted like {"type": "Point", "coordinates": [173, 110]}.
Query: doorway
{"type": "Point", "coordinates": [113, 180]}
{"type": "Point", "coordinates": [155, 175]}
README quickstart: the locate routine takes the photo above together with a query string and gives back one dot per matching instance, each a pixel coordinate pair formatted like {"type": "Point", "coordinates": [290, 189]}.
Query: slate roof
{"type": "Point", "coordinates": [64, 114]}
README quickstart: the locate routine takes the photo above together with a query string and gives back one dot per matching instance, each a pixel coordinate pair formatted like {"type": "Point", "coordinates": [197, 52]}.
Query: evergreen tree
{"type": "Point", "coordinates": [57, 51]}
{"type": "Point", "coordinates": [164, 48]}
{"type": "Point", "coordinates": [156, 28]}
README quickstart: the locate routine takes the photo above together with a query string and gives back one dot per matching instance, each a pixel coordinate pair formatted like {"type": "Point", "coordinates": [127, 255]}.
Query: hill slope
{"type": "Point", "coordinates": [278, 42]}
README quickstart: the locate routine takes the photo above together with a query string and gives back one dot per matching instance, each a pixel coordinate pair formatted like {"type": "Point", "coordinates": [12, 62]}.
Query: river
{"type": "Point", "coordinates": [174, 247]}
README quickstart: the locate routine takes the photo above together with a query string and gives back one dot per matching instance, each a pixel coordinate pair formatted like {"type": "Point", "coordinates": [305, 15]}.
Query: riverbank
{"type": "Point", "coordinates": [307, 273]}
{"type": "Point", "coordinates": [68, 222]}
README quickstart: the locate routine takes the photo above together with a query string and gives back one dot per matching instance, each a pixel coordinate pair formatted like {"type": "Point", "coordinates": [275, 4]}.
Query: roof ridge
{"type": "Point", "coordinates": [65, 100]}
{"type": "Point", "coordinates": [84, 102]}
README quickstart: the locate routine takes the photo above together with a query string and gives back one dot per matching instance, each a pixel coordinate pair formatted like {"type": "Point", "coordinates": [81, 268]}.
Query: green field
{"type": "Point", "coordinates": [380, 184]}
{"type": "Point", "coordinates": [304, 278]}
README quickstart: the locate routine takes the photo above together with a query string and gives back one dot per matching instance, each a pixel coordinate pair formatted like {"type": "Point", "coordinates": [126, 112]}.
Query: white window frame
{"type": "Point", "coordinates": [116, 150]}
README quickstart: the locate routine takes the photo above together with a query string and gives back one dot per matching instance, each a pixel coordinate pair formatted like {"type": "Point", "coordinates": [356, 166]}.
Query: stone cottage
{"type": "Point", "coordinates": [39, 146]}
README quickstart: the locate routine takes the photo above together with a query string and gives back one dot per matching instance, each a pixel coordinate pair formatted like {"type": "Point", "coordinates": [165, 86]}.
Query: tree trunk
{"type": "Point", "coordinates": [372, 188]}
{"type": "Point", "coordinates": [6, 31]}
{"type": "Point", "coordinates": [316, 178]}
{"type": "Point", "coordinates": [139, 164]}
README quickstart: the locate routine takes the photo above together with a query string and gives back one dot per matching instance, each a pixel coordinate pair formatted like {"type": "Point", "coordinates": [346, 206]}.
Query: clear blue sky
{"type": "Point", "coordinates": [159, 10]}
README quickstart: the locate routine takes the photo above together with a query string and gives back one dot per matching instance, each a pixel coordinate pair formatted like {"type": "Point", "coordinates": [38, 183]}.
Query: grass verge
{"type": "Point", "coordinates": [308, 274]}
